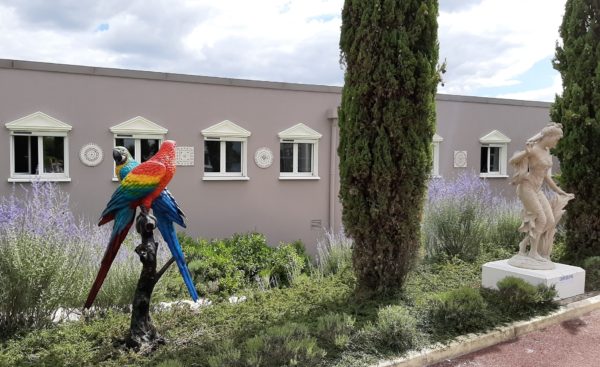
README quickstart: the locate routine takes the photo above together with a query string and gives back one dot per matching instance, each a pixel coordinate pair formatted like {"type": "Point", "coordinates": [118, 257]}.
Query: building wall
{"type": "Point", "coordinates": [282, 210]}
{"type": "Point", "coordinates": [92, 100]}
{"type": "Point", "coordinates": [462, 121]}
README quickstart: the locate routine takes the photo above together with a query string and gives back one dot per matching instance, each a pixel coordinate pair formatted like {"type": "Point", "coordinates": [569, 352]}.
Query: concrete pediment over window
{"type": "Point", "coordinates": [38, 121]}
{"type": "Point", "coordinates": [494, 137]}
{"type": "Point", "coordinates": [225, 129]}
{"type": "Point", "coordinates": [138, 125]}
{"type": "Point", "coordinates": [437, 138]}
{"type": "Point", "coordinates": [299, 132]}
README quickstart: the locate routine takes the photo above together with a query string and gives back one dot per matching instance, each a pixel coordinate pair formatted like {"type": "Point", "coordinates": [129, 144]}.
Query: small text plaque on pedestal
{"type": "Point", "coordinates": [568, 280]}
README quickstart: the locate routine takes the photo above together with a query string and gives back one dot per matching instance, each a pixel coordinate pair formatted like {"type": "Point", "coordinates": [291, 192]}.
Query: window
{"type": "Point", "coordinates": [225, 146]}
{"type": "Point", "coordinates": [435, 150]}
{"type": "Point", "coordinates": [140, 149]}
{"type": "Point", "coordinates": [494, 148]}
{"type": "Point", "coordinates": [38, 149]}
{"type": "Point", "coordinates": [298, 153]}
{"type": "Point", "coordinates": [140, 136]}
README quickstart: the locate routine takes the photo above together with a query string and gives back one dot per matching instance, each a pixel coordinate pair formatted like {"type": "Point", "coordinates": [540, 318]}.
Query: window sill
{"type": "Point", "coordinates": [40, 179]}
{"type": "Point", "coordinates": [492, 175]}
{"type": "Point", "coordinates": [286, 178]}
{"type": "Point", "coordinates": [225, 178]}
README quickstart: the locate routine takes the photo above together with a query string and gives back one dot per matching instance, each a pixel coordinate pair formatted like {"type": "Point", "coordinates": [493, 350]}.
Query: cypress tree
{"type": "Point", "coordinates": [578, 109]}
{"type": "Point", "coordinates": [387, 120]}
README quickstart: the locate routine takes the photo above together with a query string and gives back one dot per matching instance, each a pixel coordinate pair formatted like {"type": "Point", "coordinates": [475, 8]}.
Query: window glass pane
{"type": "Point", "coordinates": [484, 158]}
{"type": "Point", "coordinates": [128, 143]}
{"type": "Point", "coordinates": [149, 148]}
{"type": "Point", "coordinates": [305, 157]}
{"type": "Point", "coordinates": [26, 154]}
{"type": "Point", "coordinates": [54, 158]}
{"type": "Point", "coordinates": [494, 159]}
{"type": "Point", "coordinates": [286, 157]}
{"type": "Point", "coordinates": [212, 156]}
{"type": "Point", "coordinates": [233, 156]}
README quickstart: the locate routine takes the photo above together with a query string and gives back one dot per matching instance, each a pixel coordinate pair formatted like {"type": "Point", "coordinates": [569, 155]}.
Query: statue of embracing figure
{"type": "Point", "coordinates": [540, 215]}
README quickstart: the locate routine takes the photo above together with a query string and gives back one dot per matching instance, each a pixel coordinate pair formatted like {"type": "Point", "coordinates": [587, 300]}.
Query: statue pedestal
{"type": "Point", "coordinates": [568, 280]}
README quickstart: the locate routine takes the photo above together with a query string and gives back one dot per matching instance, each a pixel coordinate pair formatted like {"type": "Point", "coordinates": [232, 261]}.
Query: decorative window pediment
{"type": "Point", "coordinates": [299, 132]}
{"type": "Point", "coordinates": [494, 137]}
{"type": "Point", "coordinates": [225, 129]}
{"type": "Point", "coordinates": [138, 126]}
{"type": "Point", "coordinates": [437, 138]}
{"type": "Point", "coordinates": [38, 121]}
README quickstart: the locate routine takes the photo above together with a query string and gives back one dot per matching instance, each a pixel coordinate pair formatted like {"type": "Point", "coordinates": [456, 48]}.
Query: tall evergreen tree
{"type": "Point", "coordinates": [578, 109]}
{"type": "Point", "coordinates": [387, 120]}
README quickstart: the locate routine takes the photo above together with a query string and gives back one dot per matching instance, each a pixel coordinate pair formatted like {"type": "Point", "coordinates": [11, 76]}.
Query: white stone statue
{"type": "Point", "coordinates": [533, 167]}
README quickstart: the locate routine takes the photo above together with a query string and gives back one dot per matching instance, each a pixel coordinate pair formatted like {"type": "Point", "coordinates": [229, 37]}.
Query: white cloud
{"type": "Point", "coordinates": [487, 43]}
{"type": "Point", "coordinates": [492, 43]}
{"type": "Point", "coordinates": [546, 94]}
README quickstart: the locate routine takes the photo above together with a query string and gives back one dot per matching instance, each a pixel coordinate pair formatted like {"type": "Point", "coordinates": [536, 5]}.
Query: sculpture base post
{"type": "Point", "coordinates": [568, 280]}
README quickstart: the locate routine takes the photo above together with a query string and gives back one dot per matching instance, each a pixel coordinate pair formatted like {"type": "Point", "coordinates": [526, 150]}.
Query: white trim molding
{"type": "Point", "coordinates": [295, 135]}
{"type": "Point", "coordinates": [223, 132]}
{"type": "Point", "coordinates": [39, 125]}
{"type": "Point", "coordinates": [38, 122]}
{"type": "Point", "coordinates": [138, 126]}
{"type": "Point", "coordinates": [495, 139]}
{"type": "Point", "coordinates": [435, 168]}
{"type": "Point", "coordinates": [225, 129]}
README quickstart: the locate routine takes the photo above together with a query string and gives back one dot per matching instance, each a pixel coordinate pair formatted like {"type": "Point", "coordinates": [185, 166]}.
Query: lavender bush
{"type": "Point", "coordinates": [334, 253]}
{"type": "Point", "coordinates": [463, 215]}
{"type": "Point", "coordinates": [48, 258]}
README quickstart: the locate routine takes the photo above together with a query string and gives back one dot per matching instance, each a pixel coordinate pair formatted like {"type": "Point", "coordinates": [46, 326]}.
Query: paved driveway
{"type": "Point", "coordinates": [573, 343]}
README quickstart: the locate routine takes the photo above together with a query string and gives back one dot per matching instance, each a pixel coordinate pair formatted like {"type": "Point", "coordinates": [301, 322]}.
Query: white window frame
{"type": "Point", "coordinates": [495, 139]}
{"type": "Point", "coordinates": [223, 132]}
{"type": "Point", "coordinates": [137, 128]}
{"type": "Point", "coordinates": [435, 169]}
{"type": "Point", "coordinates": [300, 133]}
{"type": "Point", "coordinates": [39, 124]}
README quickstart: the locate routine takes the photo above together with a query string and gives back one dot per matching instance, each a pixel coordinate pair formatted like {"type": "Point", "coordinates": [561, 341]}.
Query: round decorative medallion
{"type": "Point", "coordinates": [460, 159]}
{"type": "Point", "coordinates": [263, 157]}
{"type": "Point", "coordinates": [91, 155]}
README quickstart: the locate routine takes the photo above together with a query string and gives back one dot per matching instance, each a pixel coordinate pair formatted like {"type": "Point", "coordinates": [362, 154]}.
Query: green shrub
{"type": "Point", "coordinates": [224, 267]}
{"type": "Point", "coordinates": [335, 328]}
{"type": "Point", "coordinates": [518, 296]}
{"type": "Point", "coordinates": [395, 330]}
{"type": "Point", "coordinates": [284, 345]}
{"type": "Point", "coordinates": [228, 356]}
{"type": "Point", "coordinates": [287, 262]}
{"type": "Point", "coordinates": [170, 363]}
{"type": "Point", "coordinates": [504, 228]}
{"type": "Point", "coordinates": [459, 311]}
{"type": "Point", "coordinates": [592, 273]}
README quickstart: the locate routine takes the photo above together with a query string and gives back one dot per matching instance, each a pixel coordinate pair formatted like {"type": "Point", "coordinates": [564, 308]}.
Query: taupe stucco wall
{"type": "Point", "coordinates": [462, 121]}
{"type": "Point", "coordinates": [282, 210]}
{"type": "Point", "coordinates": [94, 99]}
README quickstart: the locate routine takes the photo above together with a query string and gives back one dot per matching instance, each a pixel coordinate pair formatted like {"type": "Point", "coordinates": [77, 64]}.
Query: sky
{"type": "Point", "coordinates": [492, 48]}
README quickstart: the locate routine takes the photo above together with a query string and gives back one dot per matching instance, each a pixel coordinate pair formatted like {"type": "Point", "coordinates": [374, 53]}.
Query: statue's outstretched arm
{"type": "Point", "coordinates": [550, 182]}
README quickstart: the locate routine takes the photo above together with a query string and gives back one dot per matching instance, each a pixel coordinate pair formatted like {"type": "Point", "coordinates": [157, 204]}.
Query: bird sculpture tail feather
{"type": "Point", "coordinates": [124, 220]}
{"type": "Point", "coordinates": [168, 233]}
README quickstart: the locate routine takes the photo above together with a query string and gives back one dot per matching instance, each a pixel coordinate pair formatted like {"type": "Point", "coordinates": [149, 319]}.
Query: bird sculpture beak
{"type": "Point", "coordinates": [117, 156]}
